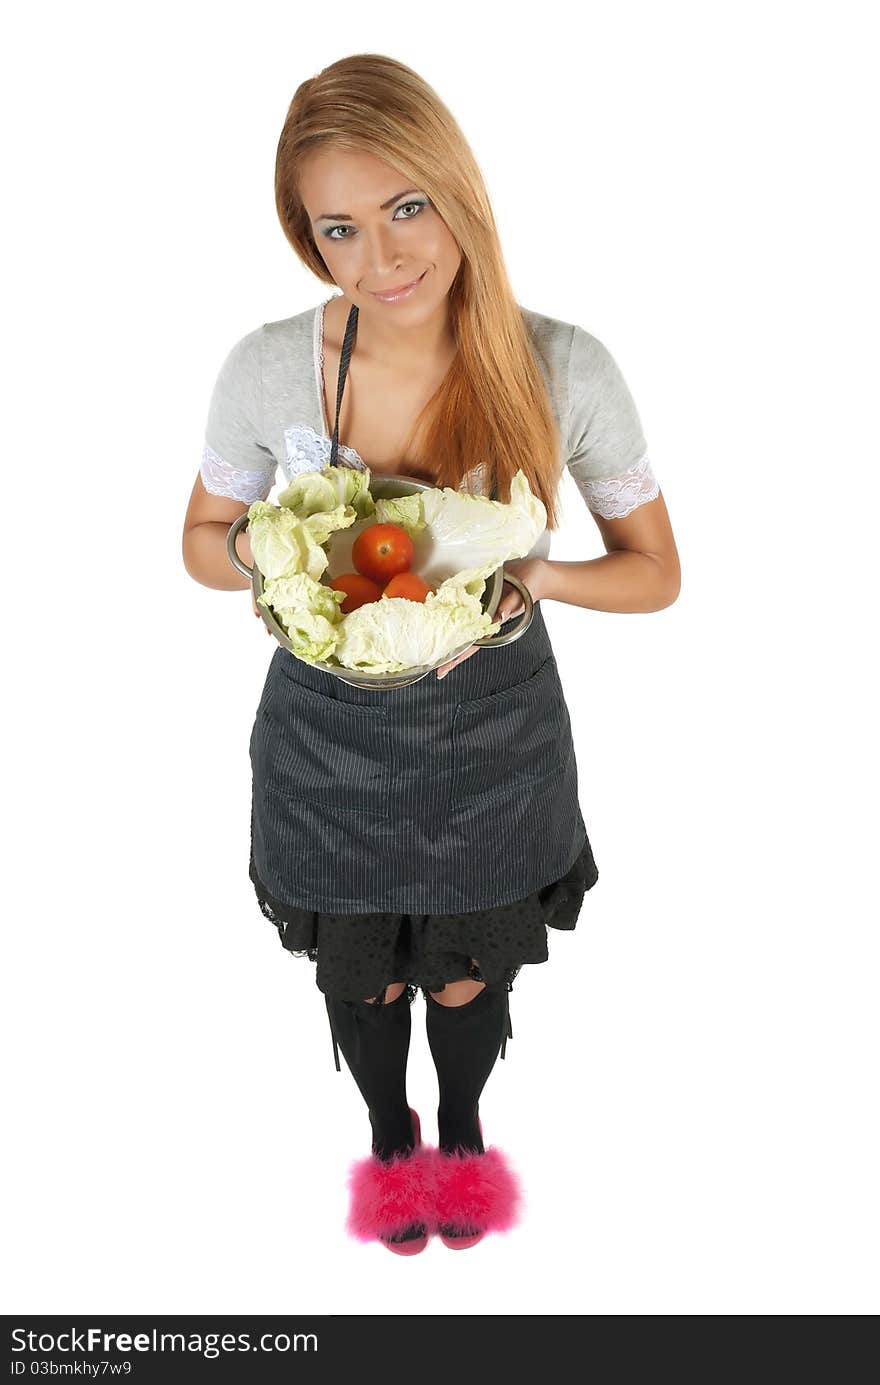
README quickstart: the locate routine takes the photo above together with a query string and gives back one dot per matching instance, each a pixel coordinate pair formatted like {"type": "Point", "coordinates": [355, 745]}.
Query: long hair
{"type": "Point", "coordinates": [492, 406]}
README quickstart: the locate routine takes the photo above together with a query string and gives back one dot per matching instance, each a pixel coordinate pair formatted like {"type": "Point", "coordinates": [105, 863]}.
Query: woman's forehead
{"type": "Point", "coordinates": [359, 182]}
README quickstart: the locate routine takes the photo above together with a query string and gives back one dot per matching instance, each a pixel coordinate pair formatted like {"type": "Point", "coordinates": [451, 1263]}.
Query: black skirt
{"type": "Point", "coordinates": [424, 834]}
{"type": "Point", "coordinates": [357, 955]}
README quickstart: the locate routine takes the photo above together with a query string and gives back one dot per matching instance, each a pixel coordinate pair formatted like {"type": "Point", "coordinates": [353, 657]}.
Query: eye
{"type": "Point", "coordinates": [418, 205]}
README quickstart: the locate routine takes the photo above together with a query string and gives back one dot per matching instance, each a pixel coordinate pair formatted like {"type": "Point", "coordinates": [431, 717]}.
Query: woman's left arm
{"type": "Point", "coordinates": [639, 572]}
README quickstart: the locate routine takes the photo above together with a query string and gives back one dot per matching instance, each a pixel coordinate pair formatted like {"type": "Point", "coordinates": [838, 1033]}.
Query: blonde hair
{"type": "Point", "coordinates": [492, 405]}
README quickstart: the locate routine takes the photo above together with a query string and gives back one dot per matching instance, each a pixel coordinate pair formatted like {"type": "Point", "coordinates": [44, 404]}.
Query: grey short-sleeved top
{"type": "Point", "coordinates": [267, 410]}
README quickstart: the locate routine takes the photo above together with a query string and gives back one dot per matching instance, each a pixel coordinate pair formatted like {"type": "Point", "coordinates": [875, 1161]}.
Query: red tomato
{"type": "Point", "coordinates": [408, 585]}
{"type": "Point", "coordinates": [359, 590]}
{"type": "Point", "coordinates": [381, 551]}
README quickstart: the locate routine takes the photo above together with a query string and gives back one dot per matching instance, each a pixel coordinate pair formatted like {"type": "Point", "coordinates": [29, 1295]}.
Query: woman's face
{"type": "Point", "coordinates": [373, 239]}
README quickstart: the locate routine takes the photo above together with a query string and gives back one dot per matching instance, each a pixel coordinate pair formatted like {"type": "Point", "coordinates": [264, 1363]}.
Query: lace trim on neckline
{"type": "Point", "coordinates": [306, 450]}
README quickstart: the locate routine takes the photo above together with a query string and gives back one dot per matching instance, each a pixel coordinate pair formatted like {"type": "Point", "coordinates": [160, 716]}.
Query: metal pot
{"type": "Point", "coordinates": [388, 487]}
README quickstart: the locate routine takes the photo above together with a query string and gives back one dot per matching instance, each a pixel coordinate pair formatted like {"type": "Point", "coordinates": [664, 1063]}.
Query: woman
{"type": "Point", "coordinates": [422, 837]}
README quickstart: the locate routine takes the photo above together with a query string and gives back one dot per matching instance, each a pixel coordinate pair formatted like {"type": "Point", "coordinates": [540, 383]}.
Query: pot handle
{"type": "Point", "coordinates": [234, 530]}
{"type": "Point", "coordinates": [524, 621]}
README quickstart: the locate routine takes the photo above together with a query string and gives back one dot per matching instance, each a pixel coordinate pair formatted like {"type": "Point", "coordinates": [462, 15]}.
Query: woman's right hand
{"type": "Point", "coordinates": [245, 552]}
{"type": "Point", "coordinates": [257, 611]}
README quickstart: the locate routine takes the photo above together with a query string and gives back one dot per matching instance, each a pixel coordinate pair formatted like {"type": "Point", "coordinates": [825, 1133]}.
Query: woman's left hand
{"type": "Point", "coordinates": [530, 572]}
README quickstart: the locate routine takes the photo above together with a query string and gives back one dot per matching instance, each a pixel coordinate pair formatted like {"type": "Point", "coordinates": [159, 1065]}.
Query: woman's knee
{"type": "Point", "coordinates": [392, 991]}
{"type": "Point", "coordinates": [459, 992]}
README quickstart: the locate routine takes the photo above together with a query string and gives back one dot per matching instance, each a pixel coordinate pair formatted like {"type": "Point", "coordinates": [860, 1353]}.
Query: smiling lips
{"type": "Point", "coordinates": [398, 294]}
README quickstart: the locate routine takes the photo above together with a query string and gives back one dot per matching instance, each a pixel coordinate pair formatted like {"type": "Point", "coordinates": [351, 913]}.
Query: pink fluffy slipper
{"type": "Point", "coordinates": [387, 1197]}
{"type": "Point", "coordinates": [477, 1193]}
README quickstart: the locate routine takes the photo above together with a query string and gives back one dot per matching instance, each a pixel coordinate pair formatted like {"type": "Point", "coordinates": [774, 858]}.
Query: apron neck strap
{"type": "Point", "coordinates": [347, 348]}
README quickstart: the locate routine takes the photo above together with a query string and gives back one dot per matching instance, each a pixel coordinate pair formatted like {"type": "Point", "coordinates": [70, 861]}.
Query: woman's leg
{"type": "Point", "coordinates": [392, 991]}
{"type": "Point", "coordinates": [374, 1037]}
{"type": "Point", "coordinates": [466, 1023]}
{"type": "Point", "coordinates": [476, 1190]}
{"type": "Point", "coordinates": [393, 1183]}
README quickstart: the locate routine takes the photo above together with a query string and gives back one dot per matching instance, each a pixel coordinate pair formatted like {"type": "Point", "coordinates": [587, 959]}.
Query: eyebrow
{"type": "Point", "coordinates": [346, 216]}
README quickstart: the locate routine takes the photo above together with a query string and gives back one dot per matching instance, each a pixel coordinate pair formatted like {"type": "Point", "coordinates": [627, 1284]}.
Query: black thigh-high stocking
{"type": "Point", "coordinates": [374, 1039]}
{"type": "Point", "coordinates": [465, 1041]}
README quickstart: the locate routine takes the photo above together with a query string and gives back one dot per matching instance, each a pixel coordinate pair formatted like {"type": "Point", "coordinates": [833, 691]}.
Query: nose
{"type": "Point", "coordinates": [383, 257]}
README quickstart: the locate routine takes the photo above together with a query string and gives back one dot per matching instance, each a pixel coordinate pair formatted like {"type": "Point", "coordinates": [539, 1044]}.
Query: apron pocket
{"type": "Point", "coordinates": [510, 741]}
{"type": "Point", "coordinates": [330, 752]}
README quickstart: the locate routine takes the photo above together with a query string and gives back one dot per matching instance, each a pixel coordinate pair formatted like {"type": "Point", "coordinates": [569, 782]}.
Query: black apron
{"type": "Point", "coordinates": [445, 796]}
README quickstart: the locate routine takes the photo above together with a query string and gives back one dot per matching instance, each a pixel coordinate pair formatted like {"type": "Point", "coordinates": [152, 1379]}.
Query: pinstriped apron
{"type": "Point", "coordinates": [445, 796]}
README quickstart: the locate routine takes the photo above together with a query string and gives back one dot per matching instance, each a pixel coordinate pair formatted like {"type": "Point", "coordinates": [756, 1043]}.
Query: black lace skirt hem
{"type": "Point", "coordinates": [357, 955]}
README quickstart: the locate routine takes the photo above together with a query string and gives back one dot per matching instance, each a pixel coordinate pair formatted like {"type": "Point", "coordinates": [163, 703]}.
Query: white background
{"type": "Point", "coordinates": [690, 1093]}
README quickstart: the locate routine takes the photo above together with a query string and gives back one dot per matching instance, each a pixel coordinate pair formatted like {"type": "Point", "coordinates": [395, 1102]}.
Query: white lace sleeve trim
{"type": "Point", "coordinates": [234, 482]}
{"type": "Point", "coordinates": [614, 497]}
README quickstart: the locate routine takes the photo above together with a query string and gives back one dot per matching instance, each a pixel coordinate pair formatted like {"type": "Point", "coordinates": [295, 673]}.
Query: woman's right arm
{"type": "Point", "coordinates": [237, 468]}
{"type": "Point", "coordinates": [205, 527]}
{"type": "Point", "coordinates": [207, 522]}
